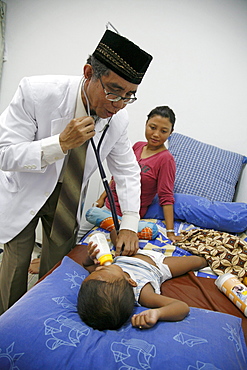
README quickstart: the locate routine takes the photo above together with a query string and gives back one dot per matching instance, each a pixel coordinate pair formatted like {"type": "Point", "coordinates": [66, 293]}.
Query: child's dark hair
{"type": "Point", "coordinates": [105, 305]}
{"type": "Point", "coordinates": [163, 111]}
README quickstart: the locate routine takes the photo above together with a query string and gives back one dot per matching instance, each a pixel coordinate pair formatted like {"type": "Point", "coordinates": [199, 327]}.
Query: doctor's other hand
{"type": "Point", "coordinates": [126, 242]}
{"type": "Point", "coordinates": [76, 133]}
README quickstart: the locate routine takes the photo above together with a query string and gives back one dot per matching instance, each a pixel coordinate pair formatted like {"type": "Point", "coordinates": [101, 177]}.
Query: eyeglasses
{"type": "Point", "coordinates": [114, 97]}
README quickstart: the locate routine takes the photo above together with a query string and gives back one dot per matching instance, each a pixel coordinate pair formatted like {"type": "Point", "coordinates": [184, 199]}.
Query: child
{"type": "Point", "coordinates": [107, 296]}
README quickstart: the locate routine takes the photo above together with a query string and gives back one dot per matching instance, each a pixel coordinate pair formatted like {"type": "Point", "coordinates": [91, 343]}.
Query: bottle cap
{"type": "Point", "coordinates": [106, 259]}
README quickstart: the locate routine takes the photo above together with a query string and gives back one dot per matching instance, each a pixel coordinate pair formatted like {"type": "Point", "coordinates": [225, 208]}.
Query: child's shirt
{"type": "Point", "coordinates": [143, 272]}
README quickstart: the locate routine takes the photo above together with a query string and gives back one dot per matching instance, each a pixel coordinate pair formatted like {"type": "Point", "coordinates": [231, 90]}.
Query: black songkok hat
{"type": "Point", "coordinates": [123, 57]}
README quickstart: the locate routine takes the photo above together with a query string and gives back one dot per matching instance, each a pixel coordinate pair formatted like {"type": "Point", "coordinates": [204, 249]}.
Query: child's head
{"type": "Point", "coordinates": [105, 301]}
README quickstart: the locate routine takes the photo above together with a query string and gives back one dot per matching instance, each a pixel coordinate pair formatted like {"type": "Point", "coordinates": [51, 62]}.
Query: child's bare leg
{"type": "Point", "coordinates": [180, 265]}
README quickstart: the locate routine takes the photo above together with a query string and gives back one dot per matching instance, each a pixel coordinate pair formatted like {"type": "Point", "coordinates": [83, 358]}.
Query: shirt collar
{"type": "Point", "coordinates": [80, 110]}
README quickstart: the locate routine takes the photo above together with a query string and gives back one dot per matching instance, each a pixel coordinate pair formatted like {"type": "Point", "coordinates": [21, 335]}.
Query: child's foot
{"type": "Point", "coordinates": [34, 266]}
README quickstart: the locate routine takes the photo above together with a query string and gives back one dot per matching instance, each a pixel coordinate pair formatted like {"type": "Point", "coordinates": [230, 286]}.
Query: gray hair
{"type": "Point", "coordinates": [99, 69]}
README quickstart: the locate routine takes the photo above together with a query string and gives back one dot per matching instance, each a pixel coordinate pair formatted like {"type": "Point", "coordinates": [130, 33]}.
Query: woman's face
{"type": "Point", "coordinates": [158, 129]}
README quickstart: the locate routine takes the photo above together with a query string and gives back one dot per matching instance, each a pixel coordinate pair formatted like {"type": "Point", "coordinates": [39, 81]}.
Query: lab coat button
{"type": "Point", "coordinates": [33, 166]}
{"type": "Point", "coordinates": [47, 194]}
{"type": "Point", "coordinates": [32, 213]}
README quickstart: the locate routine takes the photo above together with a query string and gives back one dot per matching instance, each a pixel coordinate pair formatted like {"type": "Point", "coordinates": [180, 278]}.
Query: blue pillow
{"type": "Point", "coordinates": [223, 216]}
{"type": "Point", "coordinates": [205, 170]}
{"type": "Point", "coordinates": [43, 331]}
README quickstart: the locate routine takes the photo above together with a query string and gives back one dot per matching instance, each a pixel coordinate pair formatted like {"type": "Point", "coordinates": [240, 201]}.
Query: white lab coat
{"type": "Point", "coordinates": [42, 107]}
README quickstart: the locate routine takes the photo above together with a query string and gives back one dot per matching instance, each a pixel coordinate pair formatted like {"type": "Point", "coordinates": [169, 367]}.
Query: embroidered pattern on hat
{"type": "Point", "coordinates": [118, 62]}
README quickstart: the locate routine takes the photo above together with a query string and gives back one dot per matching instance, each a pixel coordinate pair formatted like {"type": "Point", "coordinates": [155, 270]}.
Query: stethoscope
{"type": "Point", "coordinates": [100, 166]}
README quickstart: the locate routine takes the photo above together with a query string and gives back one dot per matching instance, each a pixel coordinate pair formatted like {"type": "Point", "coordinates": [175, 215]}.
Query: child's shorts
{"type": "Point", "coordinates": [158, 259]}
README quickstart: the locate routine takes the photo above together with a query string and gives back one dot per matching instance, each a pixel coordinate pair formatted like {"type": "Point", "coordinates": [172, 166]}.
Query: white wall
{"type": "Point", "coordinates": [199, 49]}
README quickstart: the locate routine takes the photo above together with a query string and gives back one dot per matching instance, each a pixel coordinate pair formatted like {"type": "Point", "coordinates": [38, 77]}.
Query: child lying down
{"type": "Point", "coordinates": [108, 294]}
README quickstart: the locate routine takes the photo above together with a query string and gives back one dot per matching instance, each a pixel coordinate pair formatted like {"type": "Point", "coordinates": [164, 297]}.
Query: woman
{"type": "Point", "coordinates": [157, 168]}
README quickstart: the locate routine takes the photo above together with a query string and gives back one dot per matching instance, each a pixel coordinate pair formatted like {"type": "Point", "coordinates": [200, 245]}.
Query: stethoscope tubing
{"type": "Point", "coordinates": [103, 177]}
{"type": "Point", "coordinates": [101, 168]}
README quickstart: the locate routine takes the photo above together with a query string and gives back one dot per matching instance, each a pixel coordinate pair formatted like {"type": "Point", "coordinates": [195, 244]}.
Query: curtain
{"type": "Point", "coordinates": [2, 29]}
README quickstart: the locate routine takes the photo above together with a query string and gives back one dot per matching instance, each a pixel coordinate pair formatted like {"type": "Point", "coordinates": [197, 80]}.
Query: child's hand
{"type": "Point", "coordinates": [146, 319]}
{"type": "Point", "coordinates": [92, 252]}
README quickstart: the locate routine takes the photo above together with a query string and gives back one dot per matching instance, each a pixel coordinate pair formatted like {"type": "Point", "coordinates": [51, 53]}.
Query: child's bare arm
{"type": "Point", "coordinates": [162, 309]}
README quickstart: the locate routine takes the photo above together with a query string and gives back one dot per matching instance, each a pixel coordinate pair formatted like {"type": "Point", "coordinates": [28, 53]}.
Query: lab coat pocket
{"type": "Point", "coordinates": [8, 181]}
{"type": "Point", "coordinates": [9, 191]}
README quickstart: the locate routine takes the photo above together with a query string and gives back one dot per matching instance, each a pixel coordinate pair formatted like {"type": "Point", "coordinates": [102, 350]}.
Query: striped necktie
{"type": "Point", "coordinates": [65, 218]}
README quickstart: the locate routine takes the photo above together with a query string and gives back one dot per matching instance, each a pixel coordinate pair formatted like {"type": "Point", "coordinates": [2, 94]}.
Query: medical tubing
{"type": "Point", "coordinates": [101, 169]}
{"type": "Point", "coordinates": [105, 182]}
{"type": "Point", "coordinates": [103, 135]}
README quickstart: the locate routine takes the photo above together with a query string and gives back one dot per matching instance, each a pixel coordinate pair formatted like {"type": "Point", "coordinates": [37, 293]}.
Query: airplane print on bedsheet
{"type": "Point", "coordinates": [63, 339]}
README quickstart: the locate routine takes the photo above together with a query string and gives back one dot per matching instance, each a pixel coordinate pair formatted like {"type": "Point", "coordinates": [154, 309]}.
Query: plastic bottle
{"type": "Point", "coordinates": [234, 290]}
{"type": "Point", "coordinates": [104, 256]}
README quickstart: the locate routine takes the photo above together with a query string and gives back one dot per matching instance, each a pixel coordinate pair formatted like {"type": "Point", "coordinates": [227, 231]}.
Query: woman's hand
{"type": "Point", "coordinates": [99, 203]}
{"type": "Point", "coordinates": [174, 238]}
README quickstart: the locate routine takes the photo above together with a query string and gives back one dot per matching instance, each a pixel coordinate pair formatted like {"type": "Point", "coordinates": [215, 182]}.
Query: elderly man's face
{"type": "Point", "coordinates": [113, 83]}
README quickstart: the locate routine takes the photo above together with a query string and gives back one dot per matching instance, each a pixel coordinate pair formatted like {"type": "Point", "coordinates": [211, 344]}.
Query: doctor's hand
{"type": "Point", "coordinates": [76, 133]}
{"type": "Point", "coordinates": [127, 242]}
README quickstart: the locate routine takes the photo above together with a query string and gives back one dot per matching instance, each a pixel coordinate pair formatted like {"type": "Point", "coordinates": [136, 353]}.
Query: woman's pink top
{"type": "Point", "coordinates": [157, 176]}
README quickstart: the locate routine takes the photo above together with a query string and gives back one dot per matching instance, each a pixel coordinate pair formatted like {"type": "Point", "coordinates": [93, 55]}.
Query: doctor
{"type": "Point", "coordinates": [47, 118]}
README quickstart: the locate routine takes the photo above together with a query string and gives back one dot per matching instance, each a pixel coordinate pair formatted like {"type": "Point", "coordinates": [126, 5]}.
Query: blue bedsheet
{"type": "Point", "coordinates": [43, 331]}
